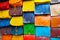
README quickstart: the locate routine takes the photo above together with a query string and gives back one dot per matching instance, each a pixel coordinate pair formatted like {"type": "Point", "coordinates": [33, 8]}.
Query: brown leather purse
{"type": "Point", "coordinates": [15, 11]}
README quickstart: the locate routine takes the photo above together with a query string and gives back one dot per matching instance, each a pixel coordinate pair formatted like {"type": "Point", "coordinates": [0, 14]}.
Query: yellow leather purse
{"type": "Point", "coordinates": [4, 14]}
{"type": "Point", "coordinates": [42, 1]}
{"type": "Point", "coordinates": [16, 21]}
{"type": "Point", "coordinates": [28, 6]}
{"type": "Point", "coordinates": [20, 37]}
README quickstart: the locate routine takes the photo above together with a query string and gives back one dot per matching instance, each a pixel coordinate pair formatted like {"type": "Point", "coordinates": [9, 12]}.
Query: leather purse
{"type": "Point", "coordinates": [15, 2]}
{"type": "Point", "coordinates": [42, 9]}
{"type": "Point", "coordinates": [29, 29]}
{"type": "Point", "coordinates": [14, 21]}
{"type": "Point", "coordinates": [28, 17]}
{"type": "Point", "coordinates": [6, 31]}
{"type": "Point", "coordinates": [42, 1]}
{"type": "Point", "coordinates": [43, 31]}
{"type": "Point", "coordinates": [19, 37]}
{"type": "Point", "coordinates": [6, 37]}
{"type": "Point", "coordinates": [15, 11]}
{"type": "Point", "coordinates": [55, 21]}
{"type": "Point", "coordinates": [55, 32]}
{"type": "Point", "coordinates": [28, 6]}
{"type": "Point", "coordinates": [4, 14]}
{"type": "Point", "coordinates": [42, 20]}
{"type": "Point", "coordinates": [29, 37]}
{"type": "Point", "coordinates": [16, 30]}
{"type": "Point", "coordinates": [4, 6]}
{"type": "Point", "coordinates": [55, 10]}
{"type": "Point", "coordinates": [4, 22]}
{"type": "Point", "coordinates": [42, 38]}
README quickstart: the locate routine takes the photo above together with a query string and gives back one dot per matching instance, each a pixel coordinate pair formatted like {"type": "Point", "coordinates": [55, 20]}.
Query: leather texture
{"type": "Point", "coordinates": [29, 29]}
{"type": "Point", "coordinates": [42, 9]}
{"type": "Point", "coordinates": [15, 11]}
{"type": "Point", "coordinates": [42, 20]}
{"type": "Point", "coordinates": [43, 31]}
{"type": "Point", "coordinates": [28, 17]}
{"type": "Point", "coordinates": [29, 37]}
{"type": "Point", "coordinates": [54, 22]}
{"type": "Point", "coordinates": [4, 23]}
{"type": "Point", "coordinates": [15, 2]}
{"type": "Point", "coordinates": [4, 6]}
{"type": "Point", "coordinates": [14, 21]}
{"type": "Point", "coordinates": [16, 30]}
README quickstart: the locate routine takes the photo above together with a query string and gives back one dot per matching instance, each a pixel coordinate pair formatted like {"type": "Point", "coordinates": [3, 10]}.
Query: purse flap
{"type": "Point", "coordinates": [5, 14]}
{"type": "Point", "coordinates": [14, 21]}
{"type": "Point", "coordinates": [4, 6]}
{"type": "Point", "coordinates": [20, 37]}
{"type": "Point", "coordinates": [28, 17]}
{"type": "Point", "coordinates": [4, 22]}
{"type": "Point", "coordinates": [6, 37]}
{"type": "Point", "coordinates": [29, 37]}
{"type": "Point", "coordinates": [17, 30]}
{"type": "Point", "coordinates": [29, 29]}
{"type": "Point", "coordinates": [54, 22]}
{"type": "Point", "coordinates": [15, 11]}
{"type": "Point", "coordinates": [42, 20]}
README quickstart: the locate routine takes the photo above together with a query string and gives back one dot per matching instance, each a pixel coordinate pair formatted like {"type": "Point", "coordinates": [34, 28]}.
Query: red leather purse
{"type": "Point", "coordinates": [4, 5]}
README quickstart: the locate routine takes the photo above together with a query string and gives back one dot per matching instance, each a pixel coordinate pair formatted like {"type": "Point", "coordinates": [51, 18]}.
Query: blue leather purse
{"type": "Point", "coordinates": [17, 30]}
{"type": "Point", "coordinates": [28, 17]}
{"type": "Point", "coordinates": [43, 31]}
{"type": "Point", "coordinates": [42, 9]}
{"type": "Point", "coordinates": [4, 22]}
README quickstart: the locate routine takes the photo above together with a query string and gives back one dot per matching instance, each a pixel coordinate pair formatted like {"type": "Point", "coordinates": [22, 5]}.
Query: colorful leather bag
{"type": "Point", "coordinates": [15, 11]}
{"type": "Point", "coordinates": [19, 37]}
{"type": "Point", "coordinates": [17, 30]}
{"type": "Point", "coordinates": [54, 22]}
{"type": "Point", "coordinates": [14, 21]}
{"type": "Point", "coordinates": [42, 20]}
{"type": "Point", "coordinates": [6, 37]}
{"type": "Point", "coordinates": [55, 10]}
{"type": "Point", "coordinates": [29, 29]}
{"type": "Point", "coordinates": [6, 31]}
{"type": "Point", "coordinates": [5, 5]}
{"type": "Point", "coordinates": [55, 32]}
{"type": "Point", "coordinates": [42, 9]}
{"type": "Point", "coordinates": [43, 31]}
{"type": "Point", "coordinates": [29, 37]}
{"type": "Point", "coordinates": [4, 22]}
{"type": "Point", "coordinates": [42, 1]}
{"type": "Point", "coordinates": [15, 2]}
{"type": "Point", "coordinates": [28, 6]}
{"type": "Point", "coordinates": [4, 14]}
{"type": "Point", "coordinates": [28, 17]}
{"type": "Point", "coordinates": [42, 38]}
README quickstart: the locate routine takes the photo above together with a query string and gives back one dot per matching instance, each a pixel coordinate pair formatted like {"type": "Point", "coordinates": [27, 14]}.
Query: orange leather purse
{"type": "Point", "coordinates": [6, 37]}
{"type": "Point", "coordinates": [42, 20]}
{"type": "Point", "coordinates": [55, 21]}
{"type": "Point", "coordinates": [15, 2]}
